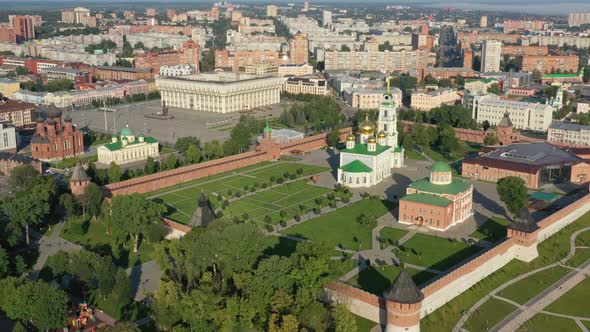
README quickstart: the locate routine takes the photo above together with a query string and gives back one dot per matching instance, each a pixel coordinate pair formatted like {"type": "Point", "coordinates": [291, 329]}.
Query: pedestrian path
{"type": "Point", "coordinates": [50, 245]}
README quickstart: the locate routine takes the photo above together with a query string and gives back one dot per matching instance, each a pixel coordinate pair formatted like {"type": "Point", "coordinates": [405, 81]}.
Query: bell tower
{"type": "Point", "coordinates": [387, 120]}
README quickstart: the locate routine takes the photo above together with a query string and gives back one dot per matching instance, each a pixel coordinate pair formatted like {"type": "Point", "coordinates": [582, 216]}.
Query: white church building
{"type": "Point", "coordinates": [369, 159]}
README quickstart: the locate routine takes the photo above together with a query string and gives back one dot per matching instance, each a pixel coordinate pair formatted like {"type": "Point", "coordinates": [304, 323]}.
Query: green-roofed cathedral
{"type": "Point", "coordinates": [439, 201]}
{"type": "Point", "coordinates": [369, 160]}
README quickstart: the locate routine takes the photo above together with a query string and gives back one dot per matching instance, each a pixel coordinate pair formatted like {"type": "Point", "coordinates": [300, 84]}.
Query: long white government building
{"type": "Point", "coordinates": [219, 92]}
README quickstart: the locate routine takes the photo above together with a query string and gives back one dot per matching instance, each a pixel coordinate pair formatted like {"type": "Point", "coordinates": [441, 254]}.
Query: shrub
{"type": "Point", "coordinates": [300, 171]}
{"type": "Point", "coordinates": [333, 204]}
{"type": "Point", "coordinates": [236, 220]}
{"type": "Point", "coordinates": [283, 214]}
{"type": "Point", "coordinates": [246, 188]}
{"type": "Point", "coordinates": [269, 228]}
{"type": "Point", "coordinates": [264, 185]}
{"type": "Point", "coordinates": [316, 211]}
{"type": "Point", "coordinates": [238, 194]}
{"type": "Point", "coordinates": [229, 193]}
{"type": "Point", "coordinates": [297, 218]}
{"type": "Point", "coordinates": [272, 179]}
{"type": "Point", "coordinates": [252, 189]}
{"type": "Point", "coordinates": [267, 219]}
{"type": "Point", "coordinates": [346, 200]}
{"type": "Point", "coordinates": [219, 214]}
{"type": "Point", "coordinates": [280, 180]}
{"type": "Point", "coordinates": [283, 223]}
{"type": "Point", "coordinates": [286, 175]}
{"type": "Point", "coordinates": [225, 204]}
{"type": "Point", "coordinates": [245, 216]}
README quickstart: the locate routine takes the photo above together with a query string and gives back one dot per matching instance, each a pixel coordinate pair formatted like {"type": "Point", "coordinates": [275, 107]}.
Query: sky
{"type": "Point", "coordinates": [549, 7]}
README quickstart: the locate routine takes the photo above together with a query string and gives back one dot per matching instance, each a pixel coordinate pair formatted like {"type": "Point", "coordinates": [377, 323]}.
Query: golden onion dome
{"type": "Point", "coordinates": [350, 137]}
{"type": "Point", "coordinates": [372, 139]}
{"type": "Point", "coordinates": [366, 127]}
{"type": "Point", "coordinates": [382, 134]}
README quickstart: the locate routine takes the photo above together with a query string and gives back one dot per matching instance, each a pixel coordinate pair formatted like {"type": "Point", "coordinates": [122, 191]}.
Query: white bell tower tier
{"type": "Point", "coordinates": [387, 120]}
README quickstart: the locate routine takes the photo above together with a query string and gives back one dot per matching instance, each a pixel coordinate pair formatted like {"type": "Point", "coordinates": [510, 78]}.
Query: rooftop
{"type": "Point", "coordinates": [568, 126]}
{"type": "Point", "coordinates": [404, 290]}
{"type": "Point", "coordinates": [363, 149]}
{"type": "Point", "coordinates": [536, 154]}
{"type": "Point", "coordinates": [455, 187]}
{"type": "Point", "coordinates": [356, 167]}
{"type": "Point", "coordinates": [429, 199]}
{"type": "Point", "coordinates": [119, 145]}
{"type": "Point", "coordinates": [220, 77]}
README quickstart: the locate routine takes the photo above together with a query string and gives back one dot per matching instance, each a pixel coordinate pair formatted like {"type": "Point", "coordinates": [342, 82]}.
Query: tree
{"type": "Point", "coordinates": [114, 172]}
{"type": "Point", "coordinates": [430, 80]}
{"type": "Point", "coordinates": [447, 142]}
{"type": "Point", "coordinates": [494, 88]}
{"type": "Point", "coordinates": [212, 150]}
{"type": "Point", "coordinates": [25, 209]}
{"type": "Point", "coordinates": [344, 48]}
{"type": "Point", "coordinates": [171, 161]}
{"type": "Point", "coordinates": [3, 262]}
{"type": "Point", "coordinates": [333, 137]}
{"type": "Point", "coordinates": [344, 321]}
{"type": "Point", "coordinates": [183, 143]}
{"type": "Point", "coordinates": [91, 199]}
{"type": "Point", "coordinates": [49, 307]}
{"type": "Point", "coordinates": [133, 214]}
{"type": "Point", "coordinates": [460, 80]}
{"type": "Point", "coordinates": [139, 46]}
{"type": "Point", "coordinates": [512, 191]}
{"type": "Point", "coordinates": [490, 139]}
{"type": "Point", "coordinates": [23, 177]}
{"type": "Point", "coordinates": [485, 125]}
{"type": "Point", "coordinates": [193, 154]}
{"type": "Point", "coordinates": [150, 166]}
{"type": "Point", "coordinates": [66, 201]}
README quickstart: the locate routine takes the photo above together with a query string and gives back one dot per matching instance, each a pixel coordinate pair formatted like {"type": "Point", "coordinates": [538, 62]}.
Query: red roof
{"type": "Point", "coordinates": [15, 105]}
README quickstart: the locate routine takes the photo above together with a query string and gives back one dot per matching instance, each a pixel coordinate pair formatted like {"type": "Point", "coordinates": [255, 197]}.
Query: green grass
{"type": "Point", "coordinates": [412, 154]}
{"type": "Point", "coordinates": [165, 150]}
{"type": "Point", "coordinates": [550, 251]}
{"type": "Point", "coordinates": [291, 199]}
{"type": "Point", "coordinates": [583, 239]}
{"type": "Point", "coordinates": [586, 323]}
{"type": "Point", "coordinates": [182, 199]}
{"type": "Point", "coordinates": [340, 228]}
{"type": "Point", "coordinates": [489, 314]}
{"type": "Point", "coordinates": [581, 256]}
{"type": "Point", "coordinates": [388, 236]}
{"type": "Point", "coordinates": [97, 240]}
{"type": "Point", "coordinates": [548, 323]}
{"type": "Point", "coordinates": [491, 230]}
{"type": "Point", "coordinates": [524, 290]}
{"type": "Point", "coordinates": [377, 279]}
{"type": "Point", "coordinates": [434, 252]}
{"type": "Point", "coordinates": [364, 325]}
{"type": "Point", "coordinates": [574, 302]}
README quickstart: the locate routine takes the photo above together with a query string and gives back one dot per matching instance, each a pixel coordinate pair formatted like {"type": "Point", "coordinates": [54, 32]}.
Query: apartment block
{"type": "Point", "coordinates": [524, 116]}
{"type": "Point", "coordinates": [425, 101]}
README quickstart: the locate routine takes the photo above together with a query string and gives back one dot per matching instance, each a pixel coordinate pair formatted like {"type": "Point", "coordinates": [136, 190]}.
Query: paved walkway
{"type": "Point", "coordinates": [548, 296]}
{"type": "Point", "coordinates": [145, 278]}
{"type": "Point", "coordinates": [459, 326]}
{"type": "Point", "coordinates": [49, 246]}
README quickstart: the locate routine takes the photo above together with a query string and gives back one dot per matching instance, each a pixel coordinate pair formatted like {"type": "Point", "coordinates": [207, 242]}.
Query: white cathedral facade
{"type": "Point", "coordinates": [369, 159]}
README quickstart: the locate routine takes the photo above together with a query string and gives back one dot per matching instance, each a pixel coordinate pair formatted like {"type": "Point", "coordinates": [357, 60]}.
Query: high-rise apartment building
{"type": "Point", "coordinates": [305, 6]}
{"type": "Point", "coordinates": [299, 49]}
{"type": "Point", "coordinates": [7, 34]}
{"type": "Point", "coordinates": [483, 22]}
{"type": "Point", "coordinates": [491, 51]}
{"type": "Point", "coordinates": [24, 27]}
{"type": "Point", "coordinates": [170, 13]}
{"type": "Point", "coordinates": [326, 17]}
{"type": "Point", "coordinates": [272, 11]}
{"type": "Point", "coordinates": [150, 12]}
{"type": "Point", "coordinates": [576, 19]}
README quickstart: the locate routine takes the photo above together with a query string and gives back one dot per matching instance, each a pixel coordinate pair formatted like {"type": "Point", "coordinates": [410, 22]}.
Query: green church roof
{"type": "Point", "coordinates": [267, 128]}
{"type": "Point", "coordinates": [440, 166]}
{"type": "Point", "coordinates": [126, 131]}
{"type": "Point", "coordinates": [455, 187]}
{"type": "Point", "coordinates": [429, 199]}
{"type": "Point", "coordinates": [363, 149]}
{"type": "Point", "coordinates": [118, 145]}
{"type": "Point", "coordinates": [356, 167]}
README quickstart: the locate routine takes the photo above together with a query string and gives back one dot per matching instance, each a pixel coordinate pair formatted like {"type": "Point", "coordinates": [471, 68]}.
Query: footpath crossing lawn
{"type": "Point", "coordinates": [549, 323]}
{"type": "Point", "coordinates": [295, 198]}
{"type": "Point", "coordinates": [388, 236]}
{"type": "Point", "coordinates": [182, 199]}
{"type": "Point", "coordinates": [435, 252]}
{"type": "Point", "coordinates": [489, 314]}
{"type": "Point", "coordinates": [340, 228]}
{"type": "Point", "coordinates": [575, 302]}
{"type": "Point", "coordinates": [524, 290]}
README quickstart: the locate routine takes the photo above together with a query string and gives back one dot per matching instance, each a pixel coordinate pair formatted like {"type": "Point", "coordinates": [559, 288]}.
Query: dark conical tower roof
{"type": "Point", "coordinates": [505, 122]}
{"type": "Point", "coordinates": [404, 290]}
{"type": "Point", "coordinates": [524, 222]}
{"type": "Point", "coordinates": [203, 214]}
{"type": "Point", "coordinates": [78, 173]}
{"type": "Point", "coordinates": [53, 111]}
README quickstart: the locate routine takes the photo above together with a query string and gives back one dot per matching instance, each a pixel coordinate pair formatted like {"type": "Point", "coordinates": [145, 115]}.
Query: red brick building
{"type": "Point", "coordinates": [549, 63]}
{"type": "Point", "coordinates": [10, 161]}
{"type": "Point", "coordinates": [190, 53]}
{"type": "Point", "coordinates": [523, 25]}
{"type": "Point", "coordinates": [120, 73]}
{"type": "Point", "coordinates": [524, 50]}
{"type": "Point", "coordinates": [54, 140]}
{"type": "Point", "coordinates": [7, 34]}
{"type": "Point", "coordinates": [536, 163]}
{"type": "Point", "coordinates": [437, 202]}
{"type": "Point", "coordinates": [24, 27]}
{"type": "Point", "coordinates": [19, 113]}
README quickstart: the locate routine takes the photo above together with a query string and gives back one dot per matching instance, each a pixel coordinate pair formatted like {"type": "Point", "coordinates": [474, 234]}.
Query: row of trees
{"type": "Point", "coordinates": [50, 86]}
{"type": "Point", "coordinates": [220, 277]}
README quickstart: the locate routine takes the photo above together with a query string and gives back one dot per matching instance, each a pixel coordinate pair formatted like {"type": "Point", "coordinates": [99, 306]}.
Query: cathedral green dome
{"type": "Point", "coordinates": [441, 167]}
{"type": "Point", "coordinates": [126, 131]}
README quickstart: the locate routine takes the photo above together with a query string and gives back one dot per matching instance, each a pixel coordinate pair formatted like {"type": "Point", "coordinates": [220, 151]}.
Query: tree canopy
{"type": "Point", "coordinates": [513, 193]}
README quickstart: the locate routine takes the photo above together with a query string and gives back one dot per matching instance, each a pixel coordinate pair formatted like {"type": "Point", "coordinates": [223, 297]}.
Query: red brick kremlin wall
{"type": "Point", "coordinates": [267, 152]}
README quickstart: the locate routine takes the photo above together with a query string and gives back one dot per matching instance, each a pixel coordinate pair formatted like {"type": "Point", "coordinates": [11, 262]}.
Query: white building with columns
{"type": "Point", "coordinates": [219, 92]}
{"type": "Point", "coordinates": [370, 159]}
{"type": "Point", "coordinates": [128, 148]}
